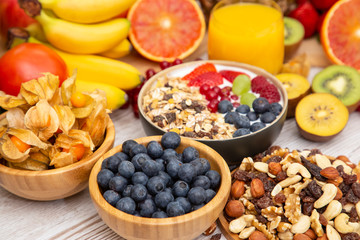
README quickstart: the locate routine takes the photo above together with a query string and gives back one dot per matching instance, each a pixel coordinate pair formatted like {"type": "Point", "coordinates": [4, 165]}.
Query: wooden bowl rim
{"type": "Point", "coordinates": [223, 191]}
{"type": "Point", "coordinates": [248, 67]}
{"type": "Point", "coordinates": [107, 143]}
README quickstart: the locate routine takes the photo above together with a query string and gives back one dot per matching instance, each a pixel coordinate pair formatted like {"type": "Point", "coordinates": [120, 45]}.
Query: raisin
{"type": "Point", "coordinates": [216, 236]}
{"type": "Point", "coordinates": [276, 159]}
{"type": "Point", "coordinates": [272, 149]}
{"type": "Point", "coordinates": [343, 202]}
{"type": "Point", "coordinates": [258, 157]}
{"type": "Point", "coordinates": [262, 176]}
{"type": "Point", "coordinates": [323, 220]}
{"type": "Point", "coordinates": [284, 219]}
{"type": "Point", "coordinates": [351, 197]}
{"type": "Point", "coordinates": [350, 236]}
{"type": "Point", "coordinates": [314, 151]}
{"type": "Point", "coordinates": [303, 194]}
{"type": "Point", "coordinates": [269, 185]}
{"type": "Point", "coordinates": [261, 219]}
{"type": "Point", "coordinates": [257, 209]}
{"type": "Point", "coordinates": [170, 117]}
{"type": "Point", "coordinates": [353, 215]}
{"type": "Point", "coordinates": [190, 134]}
{"type": "Point", "coordinates": [322, 210]}
{"type": "Point", "coordinates": [307, 208]}
{"type": "Point", "coordinates": [349, 179]}
{"type": "Point", "coordinates": [356, 189]}
{"type": "Point", "coordinates": [281, 176]}
{"type": "Point", "coordinates": [308, 199]}
{"type": "Point", "coordinates": [340, 169]}
{"type": "Point", "coordinates": [344, 188]}
{"type": "Point", "coordinates": [315, 189]}
{"type": "Point", "coordinates": [264, 202]}
{"type": "Point", "coordinates": [313, 169]}
{"type": "Point", "coordinates": [279, 198]}
{"type": "Point", "coordinates": [168, 96]}
{"type": "Point", "coordinates": [242, 175]}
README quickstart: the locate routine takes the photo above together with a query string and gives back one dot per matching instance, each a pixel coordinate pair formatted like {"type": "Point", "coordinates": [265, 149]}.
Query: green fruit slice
{"type": "Point", "coordinates": [241, 84]}
{"type": "Point", "coordinates": [247, 98]}
{"type": "Point", "coordinates": [293, 36]}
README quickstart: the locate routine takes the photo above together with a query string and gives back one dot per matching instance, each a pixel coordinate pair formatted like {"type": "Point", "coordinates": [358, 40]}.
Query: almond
{"type": "Point", "coordinates": [330, 173]}
{"type": "Point", "coordinates": [274, 168]}
{"type": "Point", "coordinates": [310, 233]}
{"type": "Point", "coordinates": [339, 194]}
{"type": "Point", "coordinates": [346, 160]}
{"type": "Point", "coordinates": [237, 189]}
{"type": "Point", "coordinates": [323, 237]}
{"type": "Point", "coordinates": [257, 235]}
{"type": "Point", "coordinates": [301, 236]}
{"type": "Point", "coordinates": [234, 208]}
{"type": "Point", "coordinates": [210, 230]}
{"type": "Point", "coordinates": [257, 188]}
{"type": "Point", "coordinates": [336, 181]}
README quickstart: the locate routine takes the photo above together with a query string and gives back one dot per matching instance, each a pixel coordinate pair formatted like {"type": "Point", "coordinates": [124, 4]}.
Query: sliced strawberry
{"type": "Point", "coordinates": [231, 75]}
{"type": "Point", "coordinates": [257, 83]}
{"type": "Point", "coordinates": [210, 78]}
{"type": "Point", "coordinates": [206, 67]}
{"type": "Point", "coordinates": [271, 93]}
{"type": "Point", "coordinates": [307, 15]}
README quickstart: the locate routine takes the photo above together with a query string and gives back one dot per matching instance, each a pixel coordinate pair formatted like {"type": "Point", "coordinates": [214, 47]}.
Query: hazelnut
{"type": "Point", "coordinates": [301, 236]}
{"type": "Point", "coordinates": [234, 208]}
{"type": "Point", "coordinates": [237, 189]}
{"type": "Point", "coordinates": [257, 188]}
{"type": "Point", "coordinates": [339, 194]}
{"type": "Point", "coordinates": [310, 233]}
{"type": "Point", "coordinates": [330, 173]}
{"type": "Point", "coordinates": [257, 235]}
{"type": "Point", "coordinates": [274, 168]}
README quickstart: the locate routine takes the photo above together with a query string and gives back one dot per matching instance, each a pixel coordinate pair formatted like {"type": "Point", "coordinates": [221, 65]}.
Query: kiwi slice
{"type": "Point", "coordinates": [293, 36]}
{"type": "Point", "coordinates": [296, 87]}
{"type": "Point", "coordinates": [341, 81]}
{"type": "Point", "coordinates": [321, 116]}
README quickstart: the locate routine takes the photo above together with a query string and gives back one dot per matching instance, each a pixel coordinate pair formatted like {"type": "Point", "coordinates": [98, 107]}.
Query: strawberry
{"type": "Point", "coordinates": [210, 78]}
{"type": "Point", "coordinates": [257, 83]}
{"type": "Point", "coordinates": [231, 75]}
{"type": "Point", "coordinates": [270, 92]}
{"type": "Point", "coordinates": [307, 15]}
{"type": "Point", "coordinates": [323, 4]}
{"type": "Point", "coordinates": [206, 67]}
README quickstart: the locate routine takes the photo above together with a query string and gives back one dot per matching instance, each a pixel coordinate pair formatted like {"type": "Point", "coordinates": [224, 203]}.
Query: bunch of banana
{"type": "Point", "coordinates": [87, 34]}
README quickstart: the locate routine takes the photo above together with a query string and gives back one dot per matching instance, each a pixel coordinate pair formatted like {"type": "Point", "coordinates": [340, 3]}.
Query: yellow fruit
{"type": "Point", "coordinates": [120, 50]}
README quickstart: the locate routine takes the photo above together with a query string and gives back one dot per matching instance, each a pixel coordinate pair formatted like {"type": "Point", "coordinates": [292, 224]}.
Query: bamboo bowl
{"type": "Point", "coordinates": [54, 184]}
{"type": "Point", "coordinates": [183, 227]}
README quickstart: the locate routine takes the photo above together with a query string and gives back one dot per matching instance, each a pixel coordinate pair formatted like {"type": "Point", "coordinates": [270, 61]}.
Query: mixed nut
{"type": "Point", "coordinates": [301, 195]}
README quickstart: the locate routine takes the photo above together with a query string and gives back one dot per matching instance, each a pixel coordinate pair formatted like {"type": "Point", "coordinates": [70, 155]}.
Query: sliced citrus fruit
{"type": "Point", "coordinates": [163, 30]}
{"type": "Point", "coordinates": [340, 33]}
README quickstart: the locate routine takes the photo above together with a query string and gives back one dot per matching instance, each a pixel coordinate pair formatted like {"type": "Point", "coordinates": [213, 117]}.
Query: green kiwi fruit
{"type": "Point", "coordinates": [293, 36]}
{"type": "Point", "coordinates": [341, 81]}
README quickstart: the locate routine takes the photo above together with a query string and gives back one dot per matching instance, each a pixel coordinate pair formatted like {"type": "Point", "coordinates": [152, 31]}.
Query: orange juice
{"type": "Point", "coordinates": [249, 33]}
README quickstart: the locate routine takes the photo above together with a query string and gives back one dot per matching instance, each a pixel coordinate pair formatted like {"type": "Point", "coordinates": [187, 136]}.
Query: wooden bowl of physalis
{"type": "Point", "coordinates": [175, 187]}
{"type": "Point", "coordinates": [50, 138]}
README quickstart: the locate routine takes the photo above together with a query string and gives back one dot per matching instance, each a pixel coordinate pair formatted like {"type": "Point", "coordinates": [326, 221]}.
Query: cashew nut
{"type": "Point", "coordinates": [237, 225]}
{"type": "Point", "coordinates": [347, 207]}
{"type": "Point", "coordinates": [333, 209]}
{"type": "Point", "coordinates": [245, 234]}
{"type": "Point", "coordinates": [331, 233]}
{"type": "Point", "coordinates": [322, 161]}
{"type": "Point", "coordinates": [302, 225]}
{"type": "Point", "coordinates": [261, 167]}
{"type": "Point", "coordinates": [357, 206]}
{"type": "Point", "coordinates": [329, 193]}
{"type": "Point", "coordinates": [290, 180]}
{"type": "Point", "coordinates": [341, 223]}
{"type": "Point", "coordinates": [295, 168]}
{"type": "Point", "coordinates": [285, 235]}
{"type": "Point", "coordinates": [347, 169]}
{"type": "Point", "coordinates": [277, 189]}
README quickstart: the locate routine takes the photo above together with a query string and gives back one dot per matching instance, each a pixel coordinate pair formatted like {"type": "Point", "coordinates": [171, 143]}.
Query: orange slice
{"type": "Point", "coordinates": [163, 30]}
{"type": "Point", "coordinates": [340, 33]}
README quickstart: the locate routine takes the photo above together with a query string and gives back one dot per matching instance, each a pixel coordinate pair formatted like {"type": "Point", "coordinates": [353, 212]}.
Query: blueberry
{"type": "Point", "coordinates": [104, 164]}
{"type": "Point", "coordinates": [185, 204]}
{"type": "Point", "coordinates": [147, 208]}
{"type": "Point", "coordinates": [122, 156]}
{"type": "Point", "coordinates": [243, 108]}
{"type": "Point", "coordinates": [267, 117]}
{"type": "Point", "coordinates": [231, 117]}
{"type": "Point", "coordinates": [138, 192]}
{"type": "Point", "coordinates": [136, 149]}
{"type": "Point", "coordinates": [104, 177]}
{"type": "Point", "coordinates": [172, 168]}
{"type": "Point", "coordinates": [169, 154]}
{"type": "Point", "coordinates": [154, 149]}
{"type": "Point", "coordinates": [155, 185]}
{"type": "Point", "coordinates": [127, 205]}
{"type": "Point", "coordinates": [180, 189]}
{"type": "Point", "coordinates": [127, 191]}
{"type": "Point", "coordinates": [189, 154]}
{"type": "Point", "coordinates": [162, 199]}
{"type": "Point", "coordinates": [225, 106]}
{"type": "Point", "coordinates": [201, 181]}
{"type": "Point", "coordinates": [197, 195]}
{"type": "Point", "coordinates": [127, 145]}
{"type": "Point", "coordinates": [201, 165]}
{"type": "Point", "coordinates": [170, 140]}
{"type": "Point", "coordinates": [252, 116]}
{"type": "Point", "coordinates": [214, 177]}
{"type": "Point", "coordinates": [126, 169]}
{"type": "Point", "coordinates": [139, 178]}
{"type": "Point", "coordinates": [159, 214]}
{"type": "Point", "coordinates": [113, 163]}
{"type": "Point", "coordinates": [168, 189]}
{"type": "Point", "coordinates": [242, 122]}
{"type": "Point", "coordinates": [257, 126]}
{"type": "Point", "coordinates": [150, 168]}
{"type": "Point", "coordinates": [165, 177]}
{"type": "Point", "coordinates": [111, 197]}
{"type": "Point", "coordinates": [187, 172]}
{"type": "Point", "coordinates": [196, 207]}
{"type": "Point", "coordinates": [161, 164]}
{"type": "Point", "coordinates": [261, 105]}
{"type": "Point", "coordinates": [139, 159]}
{"type": "Point", "coordinates": [174, 209]}
{"type": "Point", "coordinates": [118, 183]}
{"type": "Point", "coordinates": [210, 194]}
{"type": "Point", "coordinates": [136, 213]}
{"type": "Point", "coordinates": [241, 132]}
{"type": "Point", "coordinates": [276, 108]}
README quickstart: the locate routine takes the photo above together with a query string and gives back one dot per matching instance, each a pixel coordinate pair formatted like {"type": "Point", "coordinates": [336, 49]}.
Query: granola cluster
{"type": "Point", "coordinates": [282, 194]}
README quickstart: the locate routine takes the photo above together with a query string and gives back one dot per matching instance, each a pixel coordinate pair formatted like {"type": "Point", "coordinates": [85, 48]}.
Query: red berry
{"type": "Point", "coordinates": [177, 61]}
{"type": "Point", "coordinates": [164, 65]}
{"type": "Point", "coordinates": [226, 91]}
{"type": "Point", "coordinates": [211, 94]}
{"type": "Point", "coordinates": [212, 107]}
{"type": "Point", "coordinates": [204, 88]}
{"type": "Point", "coordinates": [236, 104]}
{"type": "Point", "coordinates": [323, 4]}
{"type": "Point", "coordinates": [206, 67]}
{"type": "Point", "coordinates": [135, 110]}
{"type": "Point", "coordinates": [258, 82]}
{"type": "Point", "coordinates": [217, 90]}
{"type": "Point", "coordinates": [307, 15]}
{"type": "Point", "coordinates": [231, 75]}
{"type": "Point", "coordinates": [234, 97]}
{"type": "Point", "coordinates": [225, 98]}
{"type": "Point", "coordinates": [149, 73]}
{"type": "Point", "coordinates": [211, 78]}
{"type": "Point", "coordinates": [320, 22]}
{"type": "Point", "coordinates": [271, 93]}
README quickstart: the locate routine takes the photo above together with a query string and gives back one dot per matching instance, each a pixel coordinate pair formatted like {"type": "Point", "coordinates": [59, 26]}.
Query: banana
{"type": "Point", "coordinates": [120, 50]}
{"type": "Point", "coordinates": [87, 11]}
{"type": "Point", "coordinates": [115, 96]}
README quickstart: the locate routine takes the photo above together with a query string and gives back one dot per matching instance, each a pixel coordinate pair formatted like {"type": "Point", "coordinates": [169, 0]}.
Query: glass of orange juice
{"type": "Point", "coordinates": [248, 31]}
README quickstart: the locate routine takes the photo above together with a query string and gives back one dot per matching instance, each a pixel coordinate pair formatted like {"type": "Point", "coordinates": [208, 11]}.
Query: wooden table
{"type": "Point", "coordinates": [76, 218]}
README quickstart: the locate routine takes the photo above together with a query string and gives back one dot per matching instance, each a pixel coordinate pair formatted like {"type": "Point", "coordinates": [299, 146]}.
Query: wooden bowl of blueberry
{"type": "Point", "coordinates": [160, 187]}
{"type": "Point", "coordinates": [235, 108]}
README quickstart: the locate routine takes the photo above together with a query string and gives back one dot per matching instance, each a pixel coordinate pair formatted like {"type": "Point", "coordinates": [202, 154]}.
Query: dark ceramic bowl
{"type": "Point", "coordinates": [235, 149]}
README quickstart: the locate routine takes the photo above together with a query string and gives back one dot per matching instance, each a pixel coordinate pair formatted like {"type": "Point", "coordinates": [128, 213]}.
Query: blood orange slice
{"type": "Point", "coordinates": [340, 33]}
{"type": "Point", "coordinates": [163, 30]}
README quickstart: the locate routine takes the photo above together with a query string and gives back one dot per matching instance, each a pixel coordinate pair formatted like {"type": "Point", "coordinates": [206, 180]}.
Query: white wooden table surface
{"type": "Point", "coordinates": [76, 218]}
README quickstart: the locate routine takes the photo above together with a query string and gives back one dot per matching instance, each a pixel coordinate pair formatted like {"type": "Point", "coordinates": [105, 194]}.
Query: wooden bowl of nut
{"type": "Point", "coordinates": [220, 103]}
{"type": "Point", "coordinates": [48, 146]}
{"type": "Point", "coordinates": [283, 194]}
{"type": "Point", "coordinates": [150, 215]}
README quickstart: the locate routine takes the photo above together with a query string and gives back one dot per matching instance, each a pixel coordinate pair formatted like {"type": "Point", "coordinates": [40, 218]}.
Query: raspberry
{"type": "Point", "coordinates": [231, 75]}
{"type": "Point", "coordinates": [270, 92]}
{"type": "Point", "coordinates": [204, 68]}
{"type": "Point", "coordinates": [257, 83]}
{"type": "Point", "coordinates": [209, 78]}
